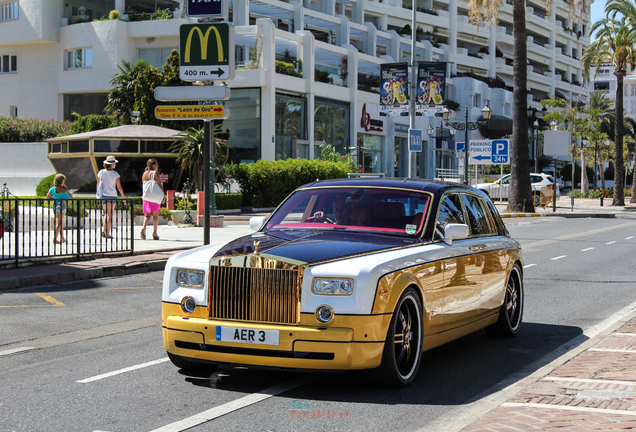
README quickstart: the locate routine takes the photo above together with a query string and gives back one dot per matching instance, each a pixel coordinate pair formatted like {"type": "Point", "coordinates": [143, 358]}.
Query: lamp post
{"type": "Point", "coordinates": [439, 133]}
{"type": "Point", "coordinates": [466, 126]}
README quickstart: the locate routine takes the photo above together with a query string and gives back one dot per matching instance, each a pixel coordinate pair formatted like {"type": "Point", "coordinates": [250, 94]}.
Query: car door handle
{"type": "Point", "coordinates": [477, 247]}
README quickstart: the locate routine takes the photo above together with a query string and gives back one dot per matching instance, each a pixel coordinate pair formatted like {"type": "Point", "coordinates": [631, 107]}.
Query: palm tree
{"type": "Point", "coordinates": [121, 99]}
{"type": "Point", "coordinates": [615, 43]}
{"type": "Point", "coordinates": [601, 115]}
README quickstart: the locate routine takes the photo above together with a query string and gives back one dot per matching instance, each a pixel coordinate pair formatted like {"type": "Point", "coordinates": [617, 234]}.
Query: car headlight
{"type": "Point", "coordinates": [190, 278]}
{"type": "Point", "coordinates": [333, 286]}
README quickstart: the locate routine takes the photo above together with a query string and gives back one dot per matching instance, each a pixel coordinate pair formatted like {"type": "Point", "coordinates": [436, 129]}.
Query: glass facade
{"type": "Point", "coordinates": [244, 125]}
{"type": "Point", "coordinates": [370, 147]}
{"type": "Point", "coordinates": [290, 124]}
{"type": "Point", "coordinates": [84, 104]}
{"type": "Point", "coordinates": [331, 123]}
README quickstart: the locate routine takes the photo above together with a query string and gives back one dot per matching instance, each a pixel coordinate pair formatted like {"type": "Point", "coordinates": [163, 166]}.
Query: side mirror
{"type": "Point", "coordinates": [455, 232]}
{"type": "Point", "coordinates": [256, 222]}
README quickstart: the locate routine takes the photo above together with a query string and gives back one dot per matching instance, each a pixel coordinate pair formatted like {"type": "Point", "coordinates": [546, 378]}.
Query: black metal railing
{"type": "Point", "coordinates": [28, 228]}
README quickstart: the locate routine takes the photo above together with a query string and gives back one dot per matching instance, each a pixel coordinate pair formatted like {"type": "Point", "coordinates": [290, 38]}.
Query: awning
{"type": "Point", "coordinates": [497, 127]}
{"type": "Point", "coordinates": [563, 94]}
{"type": "Point", "coordinates": [505, 50]}
{"type": "Point", "coordinates": [507, 80]}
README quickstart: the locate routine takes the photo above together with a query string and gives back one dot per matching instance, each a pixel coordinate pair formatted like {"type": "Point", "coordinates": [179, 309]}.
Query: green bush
{"type": "Point", "coordinates": [43, 187]}
{"type": "Point", "coordinates": [323, 76]}
{"type": "Point", "coordinates": [228, 201]}
{"type": "Point", "coordinates": [566, 173]}
{"type": "Point", "coordinates": [287, 69]}
{"type": "Point", "coordinates": [14, 129]}
{"type": "Point", "coordinates": [91, 122]}
{"type": "Point", "coordinates": [269, 182]}
{"type": "Point", "coordinates": [165, 213]}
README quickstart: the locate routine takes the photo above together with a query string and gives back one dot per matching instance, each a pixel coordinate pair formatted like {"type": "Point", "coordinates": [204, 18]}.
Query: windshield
{"type": "Point", "coordinates": [362, 209]}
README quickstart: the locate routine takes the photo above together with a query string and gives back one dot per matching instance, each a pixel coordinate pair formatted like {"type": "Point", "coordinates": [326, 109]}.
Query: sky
{"type": "Point", "coordinates": [597, 10]}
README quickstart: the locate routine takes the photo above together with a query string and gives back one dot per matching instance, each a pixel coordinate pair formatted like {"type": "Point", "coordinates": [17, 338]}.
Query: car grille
{"type": "Point", "coordinates": [255, 294]}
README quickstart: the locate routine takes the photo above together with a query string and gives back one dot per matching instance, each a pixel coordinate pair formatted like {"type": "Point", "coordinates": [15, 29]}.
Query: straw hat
{"type": "Point", "coordinates": [110, 160]}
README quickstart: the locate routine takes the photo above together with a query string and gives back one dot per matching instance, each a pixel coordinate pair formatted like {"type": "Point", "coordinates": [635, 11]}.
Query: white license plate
{"type": "Point", "coordinates": [246, 335]}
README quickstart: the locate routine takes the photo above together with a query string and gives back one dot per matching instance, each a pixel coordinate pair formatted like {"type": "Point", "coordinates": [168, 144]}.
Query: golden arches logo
{"type": "Point", "coordinates": [203, 41]}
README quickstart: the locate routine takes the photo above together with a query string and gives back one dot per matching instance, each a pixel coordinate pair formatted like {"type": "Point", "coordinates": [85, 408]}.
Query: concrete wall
{"type": "Point", "coordinates": [23, 166]}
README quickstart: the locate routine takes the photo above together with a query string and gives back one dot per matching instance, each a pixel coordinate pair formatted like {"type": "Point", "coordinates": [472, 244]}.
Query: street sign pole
{"type": "Point", "coordinates": [206, 182]}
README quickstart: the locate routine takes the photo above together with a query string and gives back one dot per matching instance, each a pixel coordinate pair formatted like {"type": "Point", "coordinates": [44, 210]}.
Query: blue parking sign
{"type": "Point", "coordinates": [500, 151]}
{"type": "Point", "coordinates": [207, 8]}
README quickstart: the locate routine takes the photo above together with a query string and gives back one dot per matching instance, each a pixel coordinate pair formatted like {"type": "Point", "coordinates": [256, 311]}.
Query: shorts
{"type": "Point", "coordinates": [150, 207]}
{"type": "Point", "coordinates": [60, 207]}
{"type": "Point", "coordinates": [109, 199]}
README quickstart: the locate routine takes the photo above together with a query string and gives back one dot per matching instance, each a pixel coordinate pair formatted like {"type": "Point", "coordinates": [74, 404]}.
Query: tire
{"type": "Point", "coordinates": [189, 365]}
{"type": "Point", "coordinates": [537, 200]}
{"type": "Point", "coordinates": [403, 345]}
{"type": "Point", "coordinates": [511, 311]}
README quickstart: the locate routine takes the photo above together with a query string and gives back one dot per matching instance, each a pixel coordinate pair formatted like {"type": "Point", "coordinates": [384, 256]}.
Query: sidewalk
{"type": "Point", "coordinates": [583, 207]}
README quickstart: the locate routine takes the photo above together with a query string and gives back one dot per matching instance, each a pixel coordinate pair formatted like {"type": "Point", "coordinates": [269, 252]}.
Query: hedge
{"type": "Point", "coordinates": [15, 129]}
{"type": "Point", "coordinates": [269, 182]}
{"type": "Point", "coordinates": [228, 201]}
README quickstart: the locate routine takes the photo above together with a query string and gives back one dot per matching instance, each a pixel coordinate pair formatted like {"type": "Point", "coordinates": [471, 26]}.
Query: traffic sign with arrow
{"type": "Point", "coordinates": [207, 52]}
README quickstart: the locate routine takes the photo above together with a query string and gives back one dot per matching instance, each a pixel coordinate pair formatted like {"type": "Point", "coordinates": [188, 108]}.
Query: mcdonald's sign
{"type": "Point", "coordinates": [207, 52]}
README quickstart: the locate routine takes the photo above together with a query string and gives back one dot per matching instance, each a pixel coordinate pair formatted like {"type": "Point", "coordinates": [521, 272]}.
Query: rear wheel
{"type": "Point", "coordinates": [511, 311]}
{"type": "Point", "coordinates": [537, 200]}
{"type": "Point", "coordinates": [403, 345]}
{"type": "Point", "coordinates": [189, 365]}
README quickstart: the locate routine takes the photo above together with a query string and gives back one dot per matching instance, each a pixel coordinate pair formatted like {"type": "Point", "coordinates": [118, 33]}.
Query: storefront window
{"type": "Point", "coordinates": [290, 120]}
{"type": "Point", "coordinates": [370, 147]}
{"type": "Point", "coordinates": [331, 123]}
{"type": "Point", "coordinates": [243, 125]}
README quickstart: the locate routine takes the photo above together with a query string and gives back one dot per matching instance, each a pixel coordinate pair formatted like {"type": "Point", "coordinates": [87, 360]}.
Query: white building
{"type": "Point", "coordinates": [56, 61]}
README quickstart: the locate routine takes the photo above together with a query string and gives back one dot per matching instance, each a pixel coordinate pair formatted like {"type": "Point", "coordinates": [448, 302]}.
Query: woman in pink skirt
{"type": "Point", "coordinates": [151, 208]}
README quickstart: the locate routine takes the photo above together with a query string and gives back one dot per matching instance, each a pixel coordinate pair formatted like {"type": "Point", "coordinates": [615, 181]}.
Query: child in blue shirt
{"type": "Point", "coordinates": [60, 193]}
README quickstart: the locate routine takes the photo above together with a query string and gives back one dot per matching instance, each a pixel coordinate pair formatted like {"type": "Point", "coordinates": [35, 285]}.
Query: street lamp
{"type": "Point", "coordinates": [554, 125]}
{"type": "Point", "coordinates": [440, 133]}
{"type": "Point", "coordinates": [466, 126]}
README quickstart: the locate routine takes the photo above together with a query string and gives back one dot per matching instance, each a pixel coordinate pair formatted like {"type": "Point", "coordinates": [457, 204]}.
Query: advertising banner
{"type": "Point", "coordinates": [431, 81]}
{"type": "Point", "coordinates": [394, 89]}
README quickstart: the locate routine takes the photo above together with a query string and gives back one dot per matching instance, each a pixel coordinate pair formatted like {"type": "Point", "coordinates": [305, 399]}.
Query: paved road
{"type": "Point", "coordinates": [92, 357]}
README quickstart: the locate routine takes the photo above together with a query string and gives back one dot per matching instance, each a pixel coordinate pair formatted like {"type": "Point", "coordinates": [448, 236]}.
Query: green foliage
{"type": "Point", "coordinates": [323, 76]}
{"type": "Point", "coordinates": [164, 213]}
{"type": "Point", "coordinates": [451, 104]}
{"type": "Point", "coordinates": [45, 184]}
{"type": "Point", "coordinates": [330, 154]}
{"type": "Point", "coordinates": [91, 123]}
{"type": "Point", "coordinates": [287, 69]}
{"type": "Point", "coordinates": [228, 201]}
{"type": "Point", "coordinates": [566, 173]}
{"type": "Point", "coordinates": [15, 129]}
{"type": "Point", "coordinates": [121, 99]}
{"type": "Point", "coordinates": [161, 14]}
{"type": "Point", "coordinates": [113, 15]}
{"type": "Point", "coordinates": [139, 210]}
{"type": "Point", "coordinates": [272, 181]}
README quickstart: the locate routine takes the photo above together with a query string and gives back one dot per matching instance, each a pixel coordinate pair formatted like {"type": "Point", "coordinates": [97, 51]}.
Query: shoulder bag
{"type": "Point", "coordinates": [152, 191]}
{"type": "Point", "coordinates": [100, 188]}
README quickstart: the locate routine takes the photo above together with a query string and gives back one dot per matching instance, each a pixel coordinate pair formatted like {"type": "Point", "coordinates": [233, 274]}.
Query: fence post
{"type": "Point", "coordinates": [16, 229]}
{"type": "Point", "coordinates": [132, 227]}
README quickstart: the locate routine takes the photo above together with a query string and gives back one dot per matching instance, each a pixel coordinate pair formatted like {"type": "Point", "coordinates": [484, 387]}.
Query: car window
{"type": "Point", "coordinates": [536, 179]}
{"type": "Point", "coordinates": [450, 211]}
{"type": "Point", "coordinates": [505, 180]}
{"type": "Point", "coordinates": [478, 221]}
{"type": "Point", "coordinates": [550, 178]}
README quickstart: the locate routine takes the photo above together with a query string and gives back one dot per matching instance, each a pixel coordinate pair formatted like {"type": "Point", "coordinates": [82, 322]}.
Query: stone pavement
{"type": "Point", "coordinates": [590, 385]}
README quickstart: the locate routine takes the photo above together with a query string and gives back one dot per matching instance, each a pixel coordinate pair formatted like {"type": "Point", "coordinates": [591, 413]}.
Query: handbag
{"type": "Point", "coordinates": [152, 191]}
{"type": "Point", "coordinates": [100, 188]}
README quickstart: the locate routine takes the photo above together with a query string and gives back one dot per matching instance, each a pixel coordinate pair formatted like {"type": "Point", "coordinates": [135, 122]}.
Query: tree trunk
{"type": "Point", "coordinates": [585, 183]}
{"type": "Point", "coordinates": [520, 194]}
{"type": "Point", "coordinates": [619, 165]}
{"type": "Point", "coordinates": [633, 198]}
{"type": "Point", "coordinates": [601, 172]}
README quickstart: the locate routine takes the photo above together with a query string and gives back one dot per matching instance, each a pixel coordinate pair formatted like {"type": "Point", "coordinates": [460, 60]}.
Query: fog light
{"type": "Point", "coordinates": [324, 314]}
{"type": "Point", "coordinates": [188, 305]}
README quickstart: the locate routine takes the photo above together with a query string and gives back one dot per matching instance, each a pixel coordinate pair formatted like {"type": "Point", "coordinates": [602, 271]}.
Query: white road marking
{"type": "Point", "coordinates": [243, 402]}
{"type": "Point", "coordinates": [528, 266]}
{"type": "Point", "coordinates": [569, 408]}
{"type": "Point", "coordinates": [121, 371]}
{"type": "Point", "coordinates": [588, 249]}
{"type": "Point", "coordinates": [15, 350]}
{"type": "Point", "coordinates": [629, 238]}
{"type": "Point", "coordinates": [559, 257]}
{"type": "Point", "coordinates": [589, 380]}
{"type": "Point", "coordinates": [612, 242]}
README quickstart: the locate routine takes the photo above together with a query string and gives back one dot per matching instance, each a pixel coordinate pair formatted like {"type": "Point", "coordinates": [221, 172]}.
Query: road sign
{"type": "Point", "coordinates": [557, 143]}
{"type": "Point", "coordinates": [461, 147]}
{"type": "Point", "coordinates": [207, 8]}
{"type": "Point", "coordinates": [192, 93]}
{"type": "Point", "coordinates": [415, 140]}
{"type": "Point", "coordinates": [192, 112]}
{"type": "Point", "coordinates": [489, 152]}
{"type": "Point", "coordinates": [207, 52]}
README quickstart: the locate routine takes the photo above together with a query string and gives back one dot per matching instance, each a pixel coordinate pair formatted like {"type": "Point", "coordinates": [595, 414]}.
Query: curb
{"type": "Point", "coordinates": [83, 274]}
{"type": "Point", "coordinates": [559, 214]}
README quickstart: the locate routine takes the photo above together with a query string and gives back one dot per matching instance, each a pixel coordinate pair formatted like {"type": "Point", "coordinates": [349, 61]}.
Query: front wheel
{"type": "Point", "coordinates": [511, 311]}
{"type": "Point", "coordinates": [403, 345]}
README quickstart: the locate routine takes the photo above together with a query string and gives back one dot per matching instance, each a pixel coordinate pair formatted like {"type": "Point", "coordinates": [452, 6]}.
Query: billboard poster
{"type": "Point", "coordinates": [431, 81]}
{"type": "Point", "coordinates": [394, 89]}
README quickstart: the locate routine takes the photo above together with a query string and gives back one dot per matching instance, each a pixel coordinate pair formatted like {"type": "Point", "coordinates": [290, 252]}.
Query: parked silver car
{"type": "Point", "coordinates": [499, 189]}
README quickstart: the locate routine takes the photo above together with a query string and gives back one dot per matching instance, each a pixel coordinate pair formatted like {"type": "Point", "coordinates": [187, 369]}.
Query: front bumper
{"type": "Point", "coordinates": [300, 347]}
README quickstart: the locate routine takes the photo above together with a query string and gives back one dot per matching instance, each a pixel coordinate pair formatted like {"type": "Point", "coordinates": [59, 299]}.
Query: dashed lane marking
{"type": "Point", "coordinates": [559, 257]}
{"type": "Point", "coordinates": [588, 249]}
{"type": "Point", "coordinates": [15, 350]}
{"type": "Point", "coordinates": [528, 266]}
{"type": "Point", "coordinates": [629, 238]}
{"type": "Point", "coordinates": [568, 408]}
{"type": "Point", "coordinates": [612, 242]}
{"type": "Point", "coordinates": [235, 405]}
{"type": "Point", "coordinates": [121, 371]}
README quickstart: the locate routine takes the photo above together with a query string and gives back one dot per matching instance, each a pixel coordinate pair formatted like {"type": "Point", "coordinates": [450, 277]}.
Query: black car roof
{"type": "Point", "coordinates": [434, 186]}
